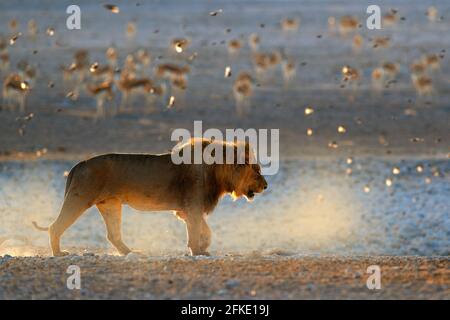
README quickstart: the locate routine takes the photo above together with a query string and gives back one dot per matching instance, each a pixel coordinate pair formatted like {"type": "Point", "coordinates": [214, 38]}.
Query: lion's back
{"type": "Point", "coordinates": [117, 171]}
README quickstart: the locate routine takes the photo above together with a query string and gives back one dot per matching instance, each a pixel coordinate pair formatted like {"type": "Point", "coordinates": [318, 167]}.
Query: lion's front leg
{"type": "Point", "coordinates": [199, 234]}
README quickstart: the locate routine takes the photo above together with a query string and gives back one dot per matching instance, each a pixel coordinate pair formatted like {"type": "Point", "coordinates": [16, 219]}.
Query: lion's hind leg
{"type": "Point", "coordinates": [73, 207]}
{"type": "Point", "coordinates": [111, 211]}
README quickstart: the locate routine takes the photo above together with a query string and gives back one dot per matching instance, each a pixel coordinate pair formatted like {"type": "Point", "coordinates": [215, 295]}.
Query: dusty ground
{"type": "Point", "coordinates": [251, 277]}
{"type": "Point", "coordinates": [312, 206]}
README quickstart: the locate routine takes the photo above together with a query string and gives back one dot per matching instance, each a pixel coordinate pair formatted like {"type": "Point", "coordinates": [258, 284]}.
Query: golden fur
{"type": "Point", "coordinates": [154, 183]}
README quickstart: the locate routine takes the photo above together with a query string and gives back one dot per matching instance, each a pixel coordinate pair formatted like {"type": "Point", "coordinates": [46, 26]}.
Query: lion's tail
{"type": "Point", "coordinates": [38, 227]}
{"type": "Point", "coordinates": [3, 239]}
{"type": "Point", "coordinates": [17, 237]}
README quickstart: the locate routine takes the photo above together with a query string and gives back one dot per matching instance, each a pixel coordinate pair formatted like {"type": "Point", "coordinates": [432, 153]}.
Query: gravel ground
{"type": "Point", "coordinates": [231, 277]}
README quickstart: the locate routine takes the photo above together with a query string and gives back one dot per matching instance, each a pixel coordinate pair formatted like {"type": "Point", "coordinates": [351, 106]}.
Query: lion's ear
{"type": "Point", "coordinates": [239, 167]}
{"type": "Point", "coordinates": [248, 151]}
{"type": "Point", "coordinates": [250, 154]}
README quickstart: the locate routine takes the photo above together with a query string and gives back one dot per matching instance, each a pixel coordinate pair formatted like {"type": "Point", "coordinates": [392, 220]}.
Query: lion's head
{"type": "Point", "coordinates": [240, 176]}
{"type": "Point", "coordinates": [248, 181]}
{"type": "Point", "coordinates": [243, 176]}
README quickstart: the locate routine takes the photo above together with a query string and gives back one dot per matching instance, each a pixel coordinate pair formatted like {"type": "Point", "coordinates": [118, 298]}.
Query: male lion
{"type": "Point", "coordinates": [155, 183]}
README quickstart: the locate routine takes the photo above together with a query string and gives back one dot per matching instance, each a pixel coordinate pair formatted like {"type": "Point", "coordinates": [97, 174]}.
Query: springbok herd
{"type": "Point", "coordinates": [164, 85]}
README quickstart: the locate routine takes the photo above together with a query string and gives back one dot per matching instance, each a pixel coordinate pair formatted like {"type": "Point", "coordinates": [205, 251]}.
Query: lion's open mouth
{"type": "Point", "coordinates": [250, 194]}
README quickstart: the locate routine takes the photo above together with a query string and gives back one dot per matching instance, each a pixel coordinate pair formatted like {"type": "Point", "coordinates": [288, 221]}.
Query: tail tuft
{"type": "Point", "coordinates": [38, 227]}
{"type": "Point", "coordinates": [24, 239]}
{"type": "Point", "coordinates": [3, 239]}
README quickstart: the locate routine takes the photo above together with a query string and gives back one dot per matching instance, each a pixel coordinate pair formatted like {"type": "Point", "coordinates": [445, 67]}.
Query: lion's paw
{"type": "Point", "coordinates": [61, 254]}
{"type": "Point", "coordinates": [204, 253]}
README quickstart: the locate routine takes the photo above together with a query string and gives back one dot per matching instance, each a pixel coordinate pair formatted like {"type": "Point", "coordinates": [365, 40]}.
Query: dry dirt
{"type": "Point", "coordinates": [235, 277]}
